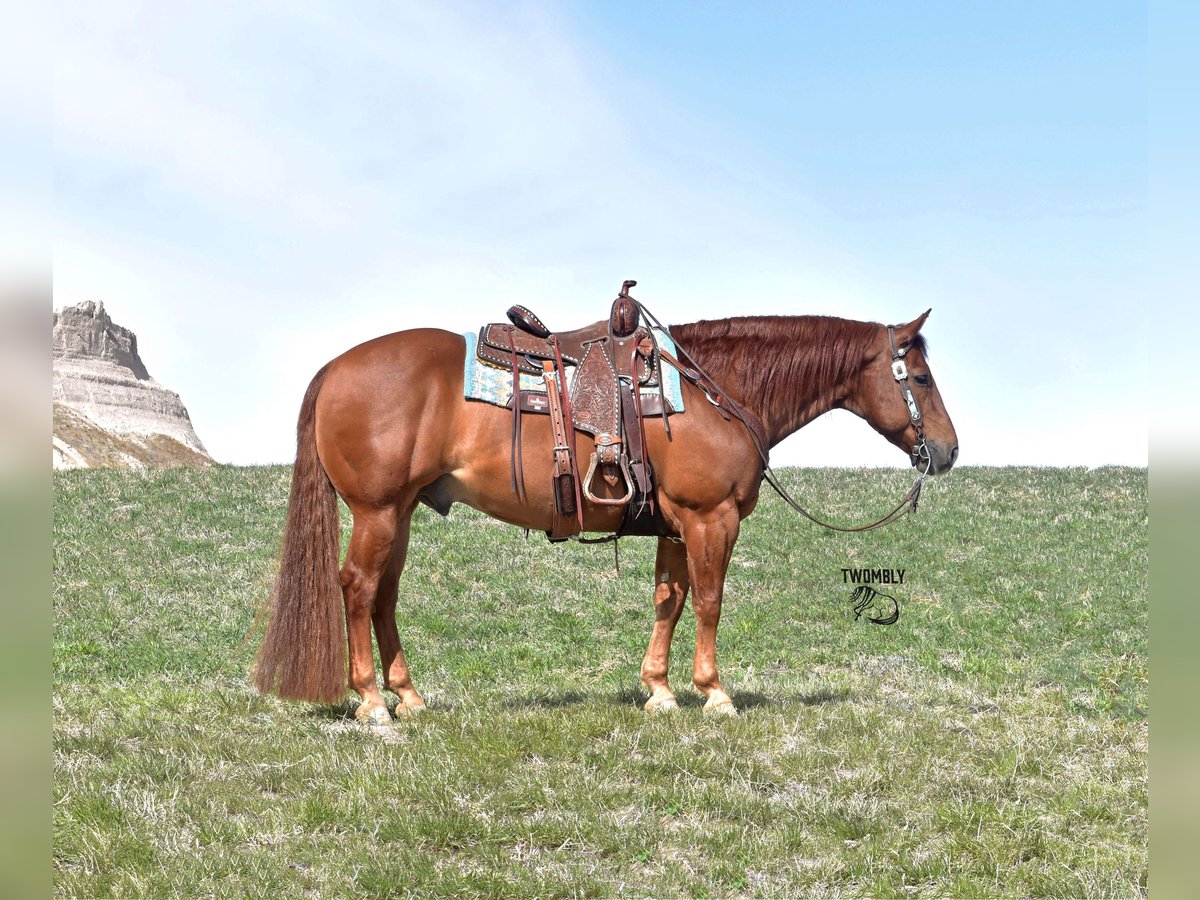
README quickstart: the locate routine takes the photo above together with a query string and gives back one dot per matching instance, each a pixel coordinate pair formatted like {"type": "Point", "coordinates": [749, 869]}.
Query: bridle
{"type": "Point", "coordinates": [920, 450]}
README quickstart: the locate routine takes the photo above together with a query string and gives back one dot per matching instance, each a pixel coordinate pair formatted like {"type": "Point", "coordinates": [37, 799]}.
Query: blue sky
{"type": "Point", "coordinates": [255, 188]}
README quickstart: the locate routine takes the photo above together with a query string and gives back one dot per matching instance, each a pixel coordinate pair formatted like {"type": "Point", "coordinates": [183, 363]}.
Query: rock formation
{"type": "Point", "coordinates": [108, 411]}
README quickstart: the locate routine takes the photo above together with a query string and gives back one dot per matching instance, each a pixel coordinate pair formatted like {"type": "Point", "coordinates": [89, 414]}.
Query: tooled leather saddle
{"type": "Point", "coordinates": [612, 363]}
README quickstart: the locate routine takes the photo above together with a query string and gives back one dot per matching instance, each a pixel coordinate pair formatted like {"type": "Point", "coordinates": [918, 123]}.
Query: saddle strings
{"type": "Point", "coordinates": [517, 467]}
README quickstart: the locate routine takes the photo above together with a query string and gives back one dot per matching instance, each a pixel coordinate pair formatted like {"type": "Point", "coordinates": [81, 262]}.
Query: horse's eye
{"type": "Point", "coordinates": [922, 379]}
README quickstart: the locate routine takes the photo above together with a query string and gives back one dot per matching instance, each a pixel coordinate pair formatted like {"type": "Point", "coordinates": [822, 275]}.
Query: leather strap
{"type": "Point", "coordinates": [635, 424]}
{"type": "Point", "coordinates": [516, 460]}
{"type": "Point", "coordinates": [635, 442]}
{"type": "Point", "coordinates": [725, 404]}
{"type": "Point", "coordinates": [566, 513]}
{"type": "Point", "coordinates": [569, 416]}
{"type": "Point", "coordinates": [636, 394]}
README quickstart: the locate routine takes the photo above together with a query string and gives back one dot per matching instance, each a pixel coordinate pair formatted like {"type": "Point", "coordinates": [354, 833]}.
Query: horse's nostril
{"type": "Point", "coordinates": [953, 454]}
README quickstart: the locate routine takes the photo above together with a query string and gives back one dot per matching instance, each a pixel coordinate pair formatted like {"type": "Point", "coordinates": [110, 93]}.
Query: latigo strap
{"type": "Point", "coordinates": [568, 515]}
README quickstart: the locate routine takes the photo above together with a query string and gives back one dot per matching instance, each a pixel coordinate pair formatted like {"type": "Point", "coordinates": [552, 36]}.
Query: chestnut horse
{"type": "Point", "coordinates": [385, 426]}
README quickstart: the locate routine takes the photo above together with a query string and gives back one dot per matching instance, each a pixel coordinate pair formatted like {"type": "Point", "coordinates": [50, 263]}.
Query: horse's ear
{"type": "Point", "coordinates": [906, 333]}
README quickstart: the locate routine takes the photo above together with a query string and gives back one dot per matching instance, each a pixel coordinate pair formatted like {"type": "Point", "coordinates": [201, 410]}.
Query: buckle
{"type": "Point", "coordinates": [914, 411]}
{"type": "Point", "coordinates": [899, 370]}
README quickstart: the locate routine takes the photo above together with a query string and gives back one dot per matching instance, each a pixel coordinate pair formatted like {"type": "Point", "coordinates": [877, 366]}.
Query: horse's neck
{"type": "Point", "coordinates": [785, 409]}
{"type": "Point", "coordinates": [807, 410]}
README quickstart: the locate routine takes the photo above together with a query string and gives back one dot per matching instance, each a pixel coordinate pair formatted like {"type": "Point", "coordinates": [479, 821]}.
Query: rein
{"type": "Point", "coordinates": [720, 399]}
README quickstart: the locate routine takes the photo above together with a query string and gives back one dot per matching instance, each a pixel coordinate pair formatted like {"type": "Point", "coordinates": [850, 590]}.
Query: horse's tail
{"type": "Point", "coordinates": [303, 654]}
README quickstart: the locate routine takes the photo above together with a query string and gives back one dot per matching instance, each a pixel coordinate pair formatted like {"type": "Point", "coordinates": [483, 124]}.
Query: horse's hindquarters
{"type": "Point", "coordinates": [387, 415]}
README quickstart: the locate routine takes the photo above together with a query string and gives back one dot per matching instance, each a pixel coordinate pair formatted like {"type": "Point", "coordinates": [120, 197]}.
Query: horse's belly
{"type": "Point", "coordinates": [490, 493]}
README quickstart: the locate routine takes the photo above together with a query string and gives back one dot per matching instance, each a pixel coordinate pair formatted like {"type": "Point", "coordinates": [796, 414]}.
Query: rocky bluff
{"type": "Point", "coordinates": [108, 411]}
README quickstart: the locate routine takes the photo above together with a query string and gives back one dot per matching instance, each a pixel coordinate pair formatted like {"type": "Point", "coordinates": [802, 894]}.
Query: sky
{"type": "Point", "coordinates": [255, 188]}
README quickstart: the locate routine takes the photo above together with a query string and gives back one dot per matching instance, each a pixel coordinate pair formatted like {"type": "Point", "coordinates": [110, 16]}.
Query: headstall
{"type": "Point", "coordinates": [920, 450]}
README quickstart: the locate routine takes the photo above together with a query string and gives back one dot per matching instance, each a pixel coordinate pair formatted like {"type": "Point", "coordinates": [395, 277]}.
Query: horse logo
{"type": "Point", "coordinates": [880, 608]}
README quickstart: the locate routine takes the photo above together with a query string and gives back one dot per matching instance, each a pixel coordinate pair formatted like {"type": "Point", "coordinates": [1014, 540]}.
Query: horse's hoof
{"type": "Point", "coordinates": [374, 715]}
{"type": "Point", "coordinates": [721, 707]}
{"type": "Point", "coordinates": [661, 705]}
{"type": "Point", "coordinates": [409, 709]}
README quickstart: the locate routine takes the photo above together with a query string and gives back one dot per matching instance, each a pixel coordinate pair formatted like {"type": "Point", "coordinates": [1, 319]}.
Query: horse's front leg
{"type": "Point", "coordinates": [710, 537]}
{"type": "Point", "coordinates": [670, 590]}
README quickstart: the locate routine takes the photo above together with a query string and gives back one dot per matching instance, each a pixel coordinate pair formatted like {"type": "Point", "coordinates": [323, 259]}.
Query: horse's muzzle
{"type": "Point", "coordinates": [941, 458]}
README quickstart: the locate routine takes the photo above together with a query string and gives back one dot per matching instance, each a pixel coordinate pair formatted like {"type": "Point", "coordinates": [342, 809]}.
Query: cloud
{"type": "Point", "coordinates": [331, 125]}
{"type": "Point", "coordinates": [253, 188]}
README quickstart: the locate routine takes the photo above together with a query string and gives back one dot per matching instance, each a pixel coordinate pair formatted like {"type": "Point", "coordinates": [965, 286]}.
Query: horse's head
{"type": "Point", "coordinates": [898, 367]}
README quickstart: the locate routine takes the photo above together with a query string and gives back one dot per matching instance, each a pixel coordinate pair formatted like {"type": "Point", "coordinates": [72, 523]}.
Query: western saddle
{"type": "Point", "coordinates": [614, 361]}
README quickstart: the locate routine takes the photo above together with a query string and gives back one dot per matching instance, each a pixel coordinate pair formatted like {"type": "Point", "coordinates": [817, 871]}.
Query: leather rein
{"type": "Point", "coordinates": [720, 399]}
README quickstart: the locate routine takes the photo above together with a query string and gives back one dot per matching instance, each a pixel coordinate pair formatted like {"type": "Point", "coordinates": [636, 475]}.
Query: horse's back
{"type": "Point", "coordinates": [396, 353]}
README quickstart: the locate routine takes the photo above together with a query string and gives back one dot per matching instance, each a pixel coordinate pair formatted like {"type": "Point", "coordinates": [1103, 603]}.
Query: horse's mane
{"type": "Point", "coordinates": [776, 362]}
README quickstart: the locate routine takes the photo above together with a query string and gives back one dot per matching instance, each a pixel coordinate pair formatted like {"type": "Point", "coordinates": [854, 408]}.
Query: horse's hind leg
{"type": "Point", "coordinates": [670, 591]}
{"type": "Point", "coordinates": [391, 653]}
{"type": "Point", "coordinates": [367, 562]}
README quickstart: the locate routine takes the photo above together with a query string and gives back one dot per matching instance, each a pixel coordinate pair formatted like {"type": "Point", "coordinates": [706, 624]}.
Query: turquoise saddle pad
{"type": "Point", "coordinates": [492, 385]}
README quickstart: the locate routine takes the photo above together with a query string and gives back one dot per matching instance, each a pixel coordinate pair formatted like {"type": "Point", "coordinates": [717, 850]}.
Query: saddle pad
{"type": "Point", "coordinates": [494, 385]}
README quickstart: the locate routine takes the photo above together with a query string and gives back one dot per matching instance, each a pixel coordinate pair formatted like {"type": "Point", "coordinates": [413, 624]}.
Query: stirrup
{"type": "Point", "coordinates": [604, 501]}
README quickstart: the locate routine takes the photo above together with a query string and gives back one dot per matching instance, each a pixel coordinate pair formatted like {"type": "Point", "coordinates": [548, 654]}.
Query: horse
{"type": "Point", "coordinates": [386, 427]}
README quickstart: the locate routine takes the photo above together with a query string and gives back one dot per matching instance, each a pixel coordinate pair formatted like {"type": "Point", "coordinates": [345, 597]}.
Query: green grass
{"type": "Point", "coordinates": [990, 743]}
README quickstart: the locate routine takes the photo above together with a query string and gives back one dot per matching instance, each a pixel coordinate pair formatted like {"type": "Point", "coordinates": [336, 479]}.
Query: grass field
{"type": "Point", "coordinates": [992, 742]}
